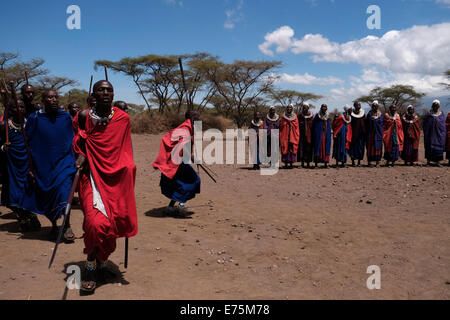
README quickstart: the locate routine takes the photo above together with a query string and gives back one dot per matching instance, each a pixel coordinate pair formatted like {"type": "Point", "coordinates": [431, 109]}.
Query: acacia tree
{"type": "Point", "coordinates": [286, 97]}
{"type": "Point", "coordinates": [241, 82]}
{"type": "Point", "coordinates": [130, 67]}
{"type": "Point", "coordinates": [14, 70]}
{"type": "Point", "coordinates": [400, 95]}
{"type": "Point", "coordinates": [197, 79]}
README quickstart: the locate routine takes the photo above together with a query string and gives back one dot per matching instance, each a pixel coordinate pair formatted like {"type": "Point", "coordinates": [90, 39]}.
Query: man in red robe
{"type": "Point", "coordinates": [179, 181]}
{"type": "Point", "coordinates": [289, 137]}
{"type": "Point", "coordinates": [106, 186]}
{"type": "Point", "coordinates": [392, 135]}
{"type": "Point", "coordinates": [411, 130]}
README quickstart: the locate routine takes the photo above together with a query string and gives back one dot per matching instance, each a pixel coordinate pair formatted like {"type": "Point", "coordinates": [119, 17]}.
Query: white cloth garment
{"type": "Point", "coordinates": [96, 198]}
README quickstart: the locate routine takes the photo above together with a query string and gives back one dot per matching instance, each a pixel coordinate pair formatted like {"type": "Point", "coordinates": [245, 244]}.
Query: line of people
{"type": "Point", "coordinates": [307, 138]}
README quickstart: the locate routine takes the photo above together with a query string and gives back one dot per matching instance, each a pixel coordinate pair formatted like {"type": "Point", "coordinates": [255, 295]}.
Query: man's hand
{"type": "Point", "coordinates": [5, 147]}
{"type": "Point", "coordinates": [80, 161]}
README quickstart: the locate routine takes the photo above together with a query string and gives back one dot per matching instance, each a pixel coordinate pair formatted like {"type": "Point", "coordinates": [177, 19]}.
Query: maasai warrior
{"type": "Point", "coordinates": [16, 171]}
{"type": "Point", "coordinates": [122, 105]}
{"type": "Point", "coordinates": [73, 109]}
{"type": "Point", "coordinates": [356, 150]}
{"type": "Point", "coordinates": [289, 137]}
{"type": "Point", "coordinates": [342, 135]}
{"type": "Point", "coordinates": [411, 130]}
{"type": "Point", "coordinates": [179, 181]}
{"type": "Point", "coordinates": [322, 136]}
{"type": "Point", "coordinates": [256, 124]}
{"type": "Point", "coordinates": [27, 91]}
{"type": "Point", "coordinates": [447, 146]}
{"type": "Point", "coordinates": [392, 135]}
{"type": "Point", "coordinates": [106, 187]}
{"type": "Point", "coordinates": [305, 147]}
{"type": "Point", "coordinates": [49, 134]}
{"type": "Point", "coordinates": [374, 127]}
{"type": "Point", "coordinates": [434, 133]}
{"type": "Point", "coordinates": [272, 121]}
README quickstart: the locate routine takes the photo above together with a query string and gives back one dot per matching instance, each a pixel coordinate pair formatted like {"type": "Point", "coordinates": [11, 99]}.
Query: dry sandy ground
{"type": "Point", "coordinates": [301, 234]}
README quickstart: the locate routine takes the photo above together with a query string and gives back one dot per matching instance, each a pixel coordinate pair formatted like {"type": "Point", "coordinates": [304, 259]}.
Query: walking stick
{"type": "Point", "coordinates": [106, 73]}
{"type": "Point", "coordinates": [126, 254]}
{"type": "Point", "coordinates": [189, 106]}
{"type": "Point", "coordinates": [90, 87]}
{"type": "Point", "coordinates": [66, 214]}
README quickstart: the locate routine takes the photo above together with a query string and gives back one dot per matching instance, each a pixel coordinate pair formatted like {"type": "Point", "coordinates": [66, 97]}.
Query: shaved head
{"type": "Point", "coordinates": [100, 83]}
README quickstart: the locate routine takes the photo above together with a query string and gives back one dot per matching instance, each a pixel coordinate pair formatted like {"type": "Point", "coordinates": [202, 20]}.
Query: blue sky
{"type": "Point", "coordinates": [329, 61]}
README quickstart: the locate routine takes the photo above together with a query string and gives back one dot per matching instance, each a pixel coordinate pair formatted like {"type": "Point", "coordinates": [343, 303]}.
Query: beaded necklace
{"type": "Point", "coordinates": [102, 121]}
{"type": "Point", "coordinates": [436, 114]}
{"type": "Point", "coordinates": [323, 117]}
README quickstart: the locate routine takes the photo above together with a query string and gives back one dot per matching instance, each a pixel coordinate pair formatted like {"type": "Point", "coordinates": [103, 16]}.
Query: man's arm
{"type": "Point", "coordinates": [82, 116]}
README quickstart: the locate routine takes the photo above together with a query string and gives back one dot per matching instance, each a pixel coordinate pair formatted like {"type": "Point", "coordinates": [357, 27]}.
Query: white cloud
{"type": "Point", "coordinates": [281, 37]}
{"type": "Point", "coordinates": [371, 78]}
{"type": "Point", "coordinates": [419, 49]}
{"type": "Point", "coordinates": [174, 2]}
{"type": "Point", "coordinates": [307, 79]}
{"type": "Point", "coordinates": [445, 2]}
{"type": "Point", "coordinates": [234, 15]}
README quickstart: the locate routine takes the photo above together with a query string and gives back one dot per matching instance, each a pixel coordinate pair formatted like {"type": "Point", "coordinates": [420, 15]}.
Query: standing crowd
{"type": "Point", "coordinates": [307, 138]}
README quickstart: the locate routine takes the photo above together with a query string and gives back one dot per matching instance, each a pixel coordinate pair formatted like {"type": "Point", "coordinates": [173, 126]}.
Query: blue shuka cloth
{"type": "Point", "coordinates": [340, 145]}
{"type": "Point", "coordinates": [16, 171]}
{"type": "Point", "coordinates": [317, 135]}
{"type": "Point", "coordinates": [184, 185]}
{"type": "Point", "coordinates": [50, 140]}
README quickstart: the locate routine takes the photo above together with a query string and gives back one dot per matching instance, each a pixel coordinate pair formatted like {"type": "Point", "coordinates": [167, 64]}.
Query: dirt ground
{"type": "Point", "coordinates": [300, 234]}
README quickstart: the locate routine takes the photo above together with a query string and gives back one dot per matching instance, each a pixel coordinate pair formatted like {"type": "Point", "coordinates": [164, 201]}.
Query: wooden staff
{"type": "Point", "coordinates": [26, 78]}
{"type": "Point", "coordinates": [189, 109]}
{"type": "Point", "coordinates": [106, 73]}
{"type": "Point", "coordinates": [66, 214]}
{"type": "Point", "coordinates": [90, 86]}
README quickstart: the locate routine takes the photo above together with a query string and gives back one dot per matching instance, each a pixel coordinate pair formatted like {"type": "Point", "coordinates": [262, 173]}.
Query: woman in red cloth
{"type": "Point", "coordinates": [106, 186]}
{"type": "Point", "coordinates": [289, 137]}
{"type": "Point", "coordinates": [411, 130]}
{"type": "Point", "coordinates": [392, 135]}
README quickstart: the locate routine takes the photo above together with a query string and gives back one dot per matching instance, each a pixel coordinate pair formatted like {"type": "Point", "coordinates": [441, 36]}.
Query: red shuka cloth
{"type": "Point", "coordinates": [447, 146]}
{"type": "Point", "coordinates": [412, 130]}
{"type": "Point", "coordinates": [289, 136]}
{"type": "Point", "coordinates": [337, 125]}
{"type": "Point", "coordinates": [182, 135]}
{"type": "Point", "coordinates": [388, 126]}
{"type": "Point", "coordinates": [109, 152]}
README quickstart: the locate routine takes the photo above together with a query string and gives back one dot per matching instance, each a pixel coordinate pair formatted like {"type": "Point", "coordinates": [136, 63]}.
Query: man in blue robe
{"type": "Point", "coordinates": [50, 134]}
{"type": "Point", "coordinates": [16, 168]}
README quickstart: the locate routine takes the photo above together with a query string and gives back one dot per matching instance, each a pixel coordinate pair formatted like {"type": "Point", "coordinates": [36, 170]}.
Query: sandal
{"type": "Point", "coordinates": [183, 211]}
{"type": "Point", "coordinates": [89, 281]}
{"type": "Point", "coordinates": [69, 236]}
{"type": "Point", "coordinates": [34, 223]}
